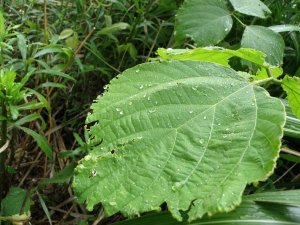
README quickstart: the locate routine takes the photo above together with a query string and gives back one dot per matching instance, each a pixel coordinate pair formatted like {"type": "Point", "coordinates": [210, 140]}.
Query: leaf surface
{"type": "Point", "coordinates": [291, 85]}
{"type": "Point", "coordinates": [251, 7]}
{"type": "Point", "coordinates": [205, 22]}
{"type": "Point", "coordinates": [265, 40]}
{"type": "Point", "coordinates": [191, 134]}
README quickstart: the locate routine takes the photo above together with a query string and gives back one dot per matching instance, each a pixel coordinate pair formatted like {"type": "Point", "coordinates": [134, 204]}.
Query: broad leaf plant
{"type": "Point", "coordinates": [186, 129]}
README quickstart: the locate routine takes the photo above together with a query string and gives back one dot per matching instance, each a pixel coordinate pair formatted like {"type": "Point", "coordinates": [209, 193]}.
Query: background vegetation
{"type": "Point", "coordinates": [60, 55]}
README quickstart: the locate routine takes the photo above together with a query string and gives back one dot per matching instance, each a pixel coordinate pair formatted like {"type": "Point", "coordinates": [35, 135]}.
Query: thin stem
{"type": "Point", "coordinates": [3, 155]}
{"type": "Point", "coordinates": [290, 151]}
{"type": "Point", "coordinates": [267, 80]}
{"type": "Point", "coordinates": [45, 22]}
{"type": "Point", "coordinates": [155, 39]}
{"type": "Point", "coordinates": [244, 25]}
{"type": "Point", "coordinates": [70, 61]}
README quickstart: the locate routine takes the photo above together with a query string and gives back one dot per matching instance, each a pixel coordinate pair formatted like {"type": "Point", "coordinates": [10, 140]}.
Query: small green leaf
{"type": "Point", "coordinates": [22, 45]}
{"type": "Point", "coordinates": [72, 42]}
{"type": "Point", "coordinates": [290, 197]}
{"type": "Point", "coordinates": [62, 176]}
{"type": "Point", "coordinates": [292, 124]}
{"type": "Point", "coordinates": [56, 73]}
{"type": "Point", "coordinates": [205, 22]}
{"type": "Point", "coordinates": [44, 206]}
{"type": "Point", "coordinates": [265, 40]}
{"type": "Point", "coordinates": [251, 7]}
{"type": "Point", "coordinates": [113, 28]}
{"type": "Point", "coordinates": [291, 85]}
{"type": "Point", "coordinates": [52, 84]}
{"type": "Point", "coordinates": [66, 33]}
{"type": "Point", "coordinates": [2, 25]}
{"type": "Point", "coordinates": [27, 119]}
{"type": "Point", "coordinates": [7, 79]}
{"type": "Point", "coordinates": [214, 54]}
{"type": "Point", "coordinates": [191, 134]}
{"type": "Point", "coordinates": [16, 203]}
{"type": "Point", "coordinates": [49, 50]}
{"type": "Point", "coordinates": [263, 73]}
{"type": "Point", "coordinates": [284, 28]}
{"type": "Point", "coordinates": [40, 140]}
{"type": "Point", "coordinates": [291, 158]}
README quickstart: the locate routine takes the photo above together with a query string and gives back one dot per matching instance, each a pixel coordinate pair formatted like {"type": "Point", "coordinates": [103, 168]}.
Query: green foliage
{"type": "Point", "coordinates": [15, 207]}
{"type": "Point", "coordinates": [209, 23]}
{"type": "Point", "coordinates": [150, 155]}
{"type": "Point", "coordinates": [2, 25]}
{"type": "Point", "coordinates": [257, 209]}
{"type": "Point", "coordinates": [58, 55]}
{"type": "Point", "coordinates": [170, 157]}
{"type": "Point", "coordinates": [292, 87]}
{"type": "Point", "coordinates": [198, 20]}
{"type": "Point", "coordinates": [12, 95]}
{"type": "Point", "coordinates": [269, 42]}
{"type": "Point", "coordinates": [251, 7]}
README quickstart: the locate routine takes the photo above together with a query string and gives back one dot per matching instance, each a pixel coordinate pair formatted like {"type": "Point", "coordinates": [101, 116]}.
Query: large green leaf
{"type": "Point", "coordinates": [205, 22]}
{"type": "Point", "coordinates": [251, 7]}
{"type": "Point", "coordinates": [265, 40]}
{"type": "Point", "coordinates": [191, 134]}
{"type": "Point", "coordinates": [291, 85]}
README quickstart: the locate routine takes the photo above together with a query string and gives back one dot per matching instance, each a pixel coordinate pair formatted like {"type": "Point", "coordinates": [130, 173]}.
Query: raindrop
{"type": "Point", "coordinates": [190, 112]}
{"type": "Point", "coordinates": [227, 129]}
{"type": "Point", "coordinates": [118, 110]}
{"type": "Point", "coordinates": [152, 110]}
{"type": "Point", "coordinates": [178, 185]}
{"type": "Point", "coordinates": [121, 113]}
{"type": "Point", "coordinates": [112, 203]}
{"type": "Point", "coordinates": [201, 141]}
{"type": "Point", "coordinates": [141, 87]}
{"type": "Point", "coordinates": [226, 29]}
{"type": "Point", "coordinates": [205, 117]}
{"type": "Point", "coordinates": [145, 96]}
{"type": "Point", "coordinates": [130, 103]}
{"type": "Point", "coordinates": [137, 71]}
{"type": "Point", "coordinates": [148, 98]}
{"type": "Point", "coordinates": [194, 88]}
